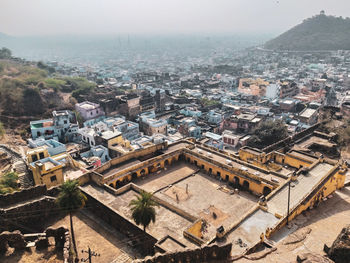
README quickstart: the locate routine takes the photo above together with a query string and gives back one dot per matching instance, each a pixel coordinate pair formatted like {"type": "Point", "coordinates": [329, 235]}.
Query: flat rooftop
{"type": "Point", "coordinates": [238, 165]}
{"type": "Point", "coordinates": [182, 186]}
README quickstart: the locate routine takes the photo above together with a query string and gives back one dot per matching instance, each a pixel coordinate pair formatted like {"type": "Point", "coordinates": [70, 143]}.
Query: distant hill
{"type": "Point", "coordinates": [4, 36]}
{"type": "Point", "coordinates": [319, 32]}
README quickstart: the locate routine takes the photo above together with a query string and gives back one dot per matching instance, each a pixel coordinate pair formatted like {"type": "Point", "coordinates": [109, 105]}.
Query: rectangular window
{"type": "Point", "coordinates": [53, 178]}
{"type": "Point", "coordinates": [34, 158]}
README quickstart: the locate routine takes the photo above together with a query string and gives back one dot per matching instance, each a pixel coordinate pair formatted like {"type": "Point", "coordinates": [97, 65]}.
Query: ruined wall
{"type": "Point", "coordinates": [199, 255]}
{"type": "Point", "coordinates": [28, 209]}
{"type": "Point", "coordinates": [30, 216]}
{"type": "Point", "coordinates": [18, 241]}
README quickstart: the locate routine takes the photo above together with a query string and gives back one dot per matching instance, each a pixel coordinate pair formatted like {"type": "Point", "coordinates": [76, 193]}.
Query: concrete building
{"type": "Point", "coordinates": [47, 171]}
{"type": "Point", "coordinates": [62, 127]}
{"type": "Point", "coordinates": [150, 126]}
{"type": "Point", "coordinates": [230, 139]}
{"type": "Point", "coordinates": [308, 116]}
{"type": "Point", "coordinates": [53, 147]}
{"type": "Point", "coordinates": [89, 110]}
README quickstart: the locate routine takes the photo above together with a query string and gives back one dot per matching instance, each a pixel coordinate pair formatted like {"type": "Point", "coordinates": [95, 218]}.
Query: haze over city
{"type": "Point", "coordinates": [157, 131]}
{"type": "Point", "coordinates": [108, 17]}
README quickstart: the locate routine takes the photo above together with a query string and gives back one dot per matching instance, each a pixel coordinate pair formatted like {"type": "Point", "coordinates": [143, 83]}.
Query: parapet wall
{"type": "Point", "coordinates": [205, 254]}
{"type": "Point", "coordinates": [23, 195]}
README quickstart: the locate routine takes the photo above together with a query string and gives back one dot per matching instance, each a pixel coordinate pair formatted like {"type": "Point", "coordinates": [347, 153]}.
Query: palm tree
{"type": "Point", "coordinates": [71, 199]}
{"type": "Point", "coordinates": [143, 211]}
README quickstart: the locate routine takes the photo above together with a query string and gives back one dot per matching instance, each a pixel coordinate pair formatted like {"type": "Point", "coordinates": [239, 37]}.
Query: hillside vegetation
{"type": "Point", "coordinates": [28, 89]}
{"type": "Point", "coordinates": [320, 32]}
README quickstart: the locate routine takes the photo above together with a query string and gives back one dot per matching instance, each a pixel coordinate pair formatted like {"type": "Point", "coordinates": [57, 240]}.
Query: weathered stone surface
{"type": "Point", "coordinates": [58, 234]}
{"type": "Point", "coordinates": [213, 252]}
{"type": "Point", "coordinates": [41, 242]}
{"type": "Point", "coordinates": [312, 258]}
{"type": "Point", "coordinates": [340, 249]}
{"type": "Point", "coordinates": [13, 239]}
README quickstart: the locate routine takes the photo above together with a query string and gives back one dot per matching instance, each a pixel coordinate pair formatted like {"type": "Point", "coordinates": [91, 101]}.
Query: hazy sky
{"type": "Point", "coordinates": [52, 17]}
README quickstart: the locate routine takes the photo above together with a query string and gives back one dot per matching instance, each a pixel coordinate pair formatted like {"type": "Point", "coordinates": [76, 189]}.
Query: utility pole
{"type": "Point", "coordinates": [90, 255]}
{"type": "Point", "coordinates": [288, 203]}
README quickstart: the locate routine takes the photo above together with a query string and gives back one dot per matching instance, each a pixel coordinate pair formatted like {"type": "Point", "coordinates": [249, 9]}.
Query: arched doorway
{"type": "Point", "coordinates": [236, 181]}
{"type": "Point", "coordinates": [166, 163]}
{"type": "Point", "coordinates": [143, 172]}
{"type": "Point", "coordinates": [246, 185]}
{"type": "Point", "coordinates": [134, 175]}
{"type": "Point", "coordinates": [125, 180]}
{"type": "Point", "coordinates": [210, 171]}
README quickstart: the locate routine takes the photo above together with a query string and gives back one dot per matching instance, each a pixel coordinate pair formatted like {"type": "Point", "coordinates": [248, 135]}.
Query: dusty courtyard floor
{"type": "Point", "coordinates": [311, 230]}
{"type": "Point", "coordinates": [91, 233]}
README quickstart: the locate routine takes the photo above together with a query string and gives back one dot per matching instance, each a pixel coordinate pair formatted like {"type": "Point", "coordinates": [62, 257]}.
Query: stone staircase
{"type": "Point", "coordinates": [19, 165]}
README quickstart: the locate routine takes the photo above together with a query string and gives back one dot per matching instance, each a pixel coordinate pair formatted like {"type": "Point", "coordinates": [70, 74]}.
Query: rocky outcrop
{"type": "Point", "coordinates": [340, 249]}
{"type": "Point", "coordinates": [312, 258]}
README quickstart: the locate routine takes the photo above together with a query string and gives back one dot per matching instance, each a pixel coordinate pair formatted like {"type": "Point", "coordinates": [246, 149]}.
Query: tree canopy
{"type": "Point", "coordinates": [8, 183]}
{"type": "Point", "coordinates": [143, 211]}
{"type": "Point", "coordinates": [268, 133]}
{"type": "Point", "coordinates": [5, 53]}
{"type": "Point", "coordinates": [70, 197]}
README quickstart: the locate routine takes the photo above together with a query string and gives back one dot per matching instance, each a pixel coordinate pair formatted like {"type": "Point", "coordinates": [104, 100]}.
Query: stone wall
{"type": "Point", "coordinates": [205, 254]}
{"type": "Point", "coordinates": [23, 195]}
{"type": "Point", "coordinates": [30, 216]}
{"type": "Point", "coordinates": [138, 238]}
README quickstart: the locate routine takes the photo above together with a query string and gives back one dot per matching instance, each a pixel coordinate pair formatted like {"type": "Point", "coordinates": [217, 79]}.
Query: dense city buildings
{"type": "Point", "coordinates": [238, 151]}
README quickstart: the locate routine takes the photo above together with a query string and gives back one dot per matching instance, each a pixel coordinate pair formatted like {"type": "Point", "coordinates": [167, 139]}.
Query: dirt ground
{"type": "Point", "coordinates": [50, 255]}
{"type": "Point", "coordinates": [88, 233]}
{"type": "Point", "coordinates": [311, 230]}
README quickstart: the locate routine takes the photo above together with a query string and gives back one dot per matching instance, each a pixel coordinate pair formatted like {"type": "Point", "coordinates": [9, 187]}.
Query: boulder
{"type": "Point", "coordinates": [340, 249]}
{"type": "Point", "coordinates": [313, 258]}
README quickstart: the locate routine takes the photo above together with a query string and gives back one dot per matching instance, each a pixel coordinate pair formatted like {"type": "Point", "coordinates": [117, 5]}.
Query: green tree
{"type": "Point", "coordinates": [268, 133]}
{"type": "Point", "coordinates": [71, 199]}
{"type": "Point", "coordinates": [5, 53]}
{"type": "Point", "coordinates": [8, 183]}
{"type": "Point", "coordinates": [143, 209]}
